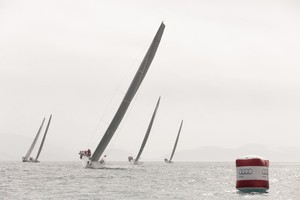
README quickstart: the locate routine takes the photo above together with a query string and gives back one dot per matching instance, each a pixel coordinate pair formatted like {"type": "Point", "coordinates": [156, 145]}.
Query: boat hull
{"type": "Point", "coordinates": [29, 160]}
{"type": "Point", "coordinates": [88, 164]}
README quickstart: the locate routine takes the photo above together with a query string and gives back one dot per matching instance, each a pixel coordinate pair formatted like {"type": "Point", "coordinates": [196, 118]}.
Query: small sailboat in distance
{"type": "Point", "coordinates": [92, 161]}
{"type": "Point", "coordinates": [175, 145]}
{"type": "Point", "coordinates": [27, 157]}
{"type": "Point", "coordinates": [136, 160]}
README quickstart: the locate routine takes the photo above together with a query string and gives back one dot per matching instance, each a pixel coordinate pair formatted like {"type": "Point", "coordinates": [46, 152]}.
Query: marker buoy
{"type": "Point", "coordinates": [252, 174]}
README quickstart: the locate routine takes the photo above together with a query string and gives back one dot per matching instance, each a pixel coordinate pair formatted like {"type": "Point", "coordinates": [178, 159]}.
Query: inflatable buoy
{"type": "Point", "coordinates": [252, 174]}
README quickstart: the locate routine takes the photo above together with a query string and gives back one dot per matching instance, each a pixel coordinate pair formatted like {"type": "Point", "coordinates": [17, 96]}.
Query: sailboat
{"type": "Point", "coordinates": [92, 161]}
{"type": "Point", "coordinates": [136, 160]}
{"type": "Point", "coordinates": [175, 145]}
{"type": "Point", "coordinates": [27, 157]}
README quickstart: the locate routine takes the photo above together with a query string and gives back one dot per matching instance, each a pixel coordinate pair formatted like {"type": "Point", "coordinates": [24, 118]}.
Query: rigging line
{"type": "Point", "coordinates": [120, 128]}
{"type": "Point", "coordinates": [142, 71]}
{"type": "Point", "coordinates": [129, 116]}
{"type": "Point", "coordinates": [109, 106]}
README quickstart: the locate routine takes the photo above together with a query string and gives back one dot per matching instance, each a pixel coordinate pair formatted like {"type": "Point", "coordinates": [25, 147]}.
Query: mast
{"type": "Point", "coordinates": [174, 148]}
{"type": "Point", "coordinates": [135, 84]}
{"type": "Point", "coordinates": [34, 141]}
{"type": "Point", "coordinates": [148, 131]}
{"type": "Point", "coordinates": [43, 140]}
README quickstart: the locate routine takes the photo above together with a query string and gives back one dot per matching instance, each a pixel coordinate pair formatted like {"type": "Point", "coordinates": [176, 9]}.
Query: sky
{"type": "Point", "coordinates": [229, 70]}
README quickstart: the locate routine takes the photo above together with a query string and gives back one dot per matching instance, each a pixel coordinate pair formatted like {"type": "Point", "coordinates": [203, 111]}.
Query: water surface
{"type": "Point", "coordinates": [68, 180]}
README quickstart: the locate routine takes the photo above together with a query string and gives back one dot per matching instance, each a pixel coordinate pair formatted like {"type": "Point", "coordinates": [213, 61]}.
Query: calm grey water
{"type": "Point", "coordinates": [68, 180]}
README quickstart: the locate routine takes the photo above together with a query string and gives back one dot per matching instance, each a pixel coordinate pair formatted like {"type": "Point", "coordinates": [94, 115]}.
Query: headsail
{"type": "Point", "coordinates": [135, 84]}
{"type": "Point", "coordinates": [175, 145]}
{"type": "Point", "coordinates": [43, 140]}
{"type": "Point", "coordinates": [148, 132]}
{"type": "Point", "coordinates": [34, 141]}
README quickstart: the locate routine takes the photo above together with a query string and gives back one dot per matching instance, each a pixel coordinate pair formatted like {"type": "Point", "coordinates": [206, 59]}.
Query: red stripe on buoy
{"type": "Point", "coordinates": [251, 162]}
{"type": "Point", "coordinates": [252, 183]}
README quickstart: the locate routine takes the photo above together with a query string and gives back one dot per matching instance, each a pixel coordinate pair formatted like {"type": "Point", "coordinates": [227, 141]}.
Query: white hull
{"type": "Point", "coordinates": [87, 163]}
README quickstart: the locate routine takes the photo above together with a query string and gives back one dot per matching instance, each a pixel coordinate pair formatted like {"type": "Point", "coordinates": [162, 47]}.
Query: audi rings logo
{"type": "Point", "coordinates": [264, 171]}
{"type": "Point", "coordinates": [245, 171]}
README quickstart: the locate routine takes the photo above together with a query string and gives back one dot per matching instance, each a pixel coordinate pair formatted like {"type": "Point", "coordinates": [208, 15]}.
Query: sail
{"type": "Point", "coordinates": [34, 141]}
{"type": "Point", "coordinates": [174, 148]}
{"type": "Point", "coordinates": [148, 132]}
{"type": "Point", "coordinates": [43, 140]}
{"type": "Point", "coordinates": [135, 84]}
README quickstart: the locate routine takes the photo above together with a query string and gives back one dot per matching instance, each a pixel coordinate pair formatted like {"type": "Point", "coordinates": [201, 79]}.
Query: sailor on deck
{"type": "Point", "coordinates": [130, 158]}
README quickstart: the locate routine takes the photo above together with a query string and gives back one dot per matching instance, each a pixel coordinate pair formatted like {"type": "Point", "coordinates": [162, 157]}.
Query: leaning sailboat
{"type": "Point", "coordinates": [43, 140]}
{"type": "Point", "coordinates": [175, 145]}
{"type": "Point", "coordinates": [93, 160]}
{"type": "Point", "coordinates": [136, 160]}
{"type": "Point", "coordinates": [27, 157]}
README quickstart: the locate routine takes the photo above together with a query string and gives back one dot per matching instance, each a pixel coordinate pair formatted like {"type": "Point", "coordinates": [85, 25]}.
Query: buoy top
{"type": "Point", "coordinates": [251, 161]}
{"type": "Point", "coordinates": [251, 157]}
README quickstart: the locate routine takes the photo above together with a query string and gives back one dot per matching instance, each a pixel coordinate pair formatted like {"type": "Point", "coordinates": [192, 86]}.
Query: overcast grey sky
{"type": "Point", "coordinates": [229, 69]}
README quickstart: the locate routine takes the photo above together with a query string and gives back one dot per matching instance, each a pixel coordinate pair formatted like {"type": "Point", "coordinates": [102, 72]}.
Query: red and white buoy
{"type": "Point", "coordinates": [252, 174]}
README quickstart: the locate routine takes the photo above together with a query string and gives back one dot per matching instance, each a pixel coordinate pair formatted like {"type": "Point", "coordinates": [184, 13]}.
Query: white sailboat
{"type": "Point", "coordinates": [93, 161]}
{"type": "Point", "coordinates": [136, 160]}
{"type": "Point", "coordinates": [175, 145]}
{"type": "Point", "coordinates": [27, 157]}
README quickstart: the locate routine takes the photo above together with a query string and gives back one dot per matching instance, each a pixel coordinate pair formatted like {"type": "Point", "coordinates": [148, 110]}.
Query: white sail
{"type": "Point", "coordinates": [147, 133]}
{"type": "Point", "coordinates": [43, 140]}
{"type": "Point", "coordinates": [175, 145]}
{"type": "Point", "coordinates": [135, 84]}
{"type": "Point", "coordinates": [25, 159]}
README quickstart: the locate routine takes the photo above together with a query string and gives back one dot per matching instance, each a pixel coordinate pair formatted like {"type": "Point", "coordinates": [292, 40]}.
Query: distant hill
{"type": "Point", "coordinates": [13, 147]}
{"type": "Point", "coordinates": [218, 154]}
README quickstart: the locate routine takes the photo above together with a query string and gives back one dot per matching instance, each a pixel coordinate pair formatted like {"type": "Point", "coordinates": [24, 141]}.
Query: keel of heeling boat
{"type": "Point", "coordinates": [87, 163]}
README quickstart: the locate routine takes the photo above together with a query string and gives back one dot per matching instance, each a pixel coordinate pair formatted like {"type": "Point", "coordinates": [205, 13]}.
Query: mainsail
{"type": "Point", "coordinates": [148, 132]}
{"type": "Point", "coordinates": [43, 140]}
{"type": "Point", "coordinates": [175, 145]}
{"type": "Point", "coordinates": [34, 142]}
{"type": "Point", "coordinates": [135, 84]}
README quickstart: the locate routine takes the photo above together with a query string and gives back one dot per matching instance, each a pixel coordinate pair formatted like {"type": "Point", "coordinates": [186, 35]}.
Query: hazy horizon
{"type": "Point", "coordinates": [208, 153]}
